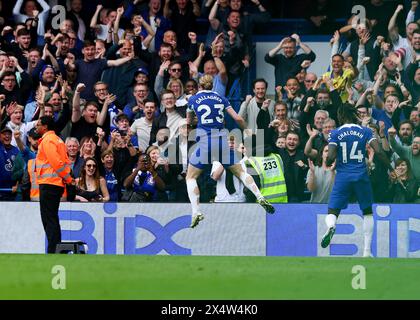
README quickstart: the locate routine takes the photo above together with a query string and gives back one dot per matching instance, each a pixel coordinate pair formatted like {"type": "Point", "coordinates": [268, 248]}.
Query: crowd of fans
{"type": "Point", "coordinates": [117, 78]}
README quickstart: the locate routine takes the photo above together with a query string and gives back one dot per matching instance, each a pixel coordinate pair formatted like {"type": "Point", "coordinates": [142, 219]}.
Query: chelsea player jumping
{"type": "Point", "coordinates": [347, 146]}
{"type": "Point", "coordinates": [212, 144]}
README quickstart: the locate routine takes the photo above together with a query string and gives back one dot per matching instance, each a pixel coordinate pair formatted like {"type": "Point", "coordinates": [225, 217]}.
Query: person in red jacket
{"type": "Point", "coordinates": [53, 172]}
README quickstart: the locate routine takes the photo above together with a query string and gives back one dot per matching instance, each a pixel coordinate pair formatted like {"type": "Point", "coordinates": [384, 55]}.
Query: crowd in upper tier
{"type": "Point", "coordinates": [117, 75]}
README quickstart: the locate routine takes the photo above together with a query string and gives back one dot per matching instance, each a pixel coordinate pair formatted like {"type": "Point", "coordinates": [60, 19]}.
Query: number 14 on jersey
{"type": "Point", "coordinates": [355, 154]}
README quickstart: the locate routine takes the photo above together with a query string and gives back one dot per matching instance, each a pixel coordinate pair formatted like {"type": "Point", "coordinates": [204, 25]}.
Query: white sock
{"type": "Point", "coordinates": [194, 195]}
{"type": "Point", "coordinates": [330, 220]}
{"type": "Point", "coordinates": [249, 182]}
{"type": "Point", "coordinates": [368, 231]}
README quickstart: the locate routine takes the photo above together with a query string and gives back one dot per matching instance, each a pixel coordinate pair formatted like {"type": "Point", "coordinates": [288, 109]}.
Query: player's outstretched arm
{"type": "Point", "coordinates": [381, 154]}
{"type": "Point", "coordinates": [332, 154]}
{"type": "Point", "coordinates": [239, 120]}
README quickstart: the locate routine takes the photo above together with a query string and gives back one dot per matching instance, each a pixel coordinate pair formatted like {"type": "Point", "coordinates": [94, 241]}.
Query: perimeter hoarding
{"type": "Point", "coordinates": [228, 229]}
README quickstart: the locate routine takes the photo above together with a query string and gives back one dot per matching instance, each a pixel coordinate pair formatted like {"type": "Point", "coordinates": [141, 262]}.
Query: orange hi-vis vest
{"type": "Point", "coordinates": [34, 193]}
{"type": "Point", "coordinates": [52, 164]}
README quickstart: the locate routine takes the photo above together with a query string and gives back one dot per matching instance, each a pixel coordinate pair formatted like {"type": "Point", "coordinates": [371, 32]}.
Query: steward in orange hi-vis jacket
{"type": "Point", "coordinates": [34, 192]}
{"type": "Point", "coordinates": [52, 163]}
{"type": "Point", "coordinates": [53, 172]}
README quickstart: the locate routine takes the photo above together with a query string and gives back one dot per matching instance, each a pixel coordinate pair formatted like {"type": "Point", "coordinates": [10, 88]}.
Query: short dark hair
{"type": "Point", "coordinates": [233, 11]}
{"type": "Point", "coordinates": [91, 103]}
{"type": "Point", "coordinates": [338, 55]}
{"type": "Point", "coordinates": [8, 74]}
{"type": "Point", "coordinates": [259, 80]}
{"type": "Point", "coordinates": [33, 134]}
{"type": "Point", "coordinates": [47, 121]}
{"type": "Point", "coordinates": [173, 63]}
{"type": "Point", "coordinates": [292, 78]}
{"type": "Point", "coordinates": [166, 91]}
{"type": "Point", "coordinates": [323, 91]}
{"type": "Point", "coordinates": [23, 32]}
{"type": "Point", "coordinates": [88, 43]}
{"type": "Point", "coordinates": [397, 89]}
{"type": "Point", "coordinates": [149, 101]}
{"type": "Point", "coordinates": [65, 36]}
{"type": "Point", "coordinates": [406, 122]}
{"type": "Point", "coordinates": [293, 132]}
{"type": "Point", "coordinates": [166, 45]}
{"type": "Point", "coordinates": [192, 80]}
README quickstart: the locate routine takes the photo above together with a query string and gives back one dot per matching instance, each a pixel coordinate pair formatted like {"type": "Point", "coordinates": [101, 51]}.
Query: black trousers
{"type": "Point", "coordinates": [49, 201]}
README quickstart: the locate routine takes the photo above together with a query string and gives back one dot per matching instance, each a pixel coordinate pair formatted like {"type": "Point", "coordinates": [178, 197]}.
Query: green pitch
{"type": "Point", "coordinates": [187, 277]}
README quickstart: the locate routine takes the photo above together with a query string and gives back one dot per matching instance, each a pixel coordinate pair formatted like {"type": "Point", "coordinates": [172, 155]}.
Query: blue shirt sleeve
{"type": "Point", "coordinates": [191, 103]}
{"type": "Point", "coordinates": [25, 154]}
{"type": "Point", "coordinates": [128, 112]}
{"type": "Point", "coordinates": [332, 138]}
{"type": "Point", "coordinates": [369, 134]}
{"type": "Point", "coordinates": [129, 10]}
{"type": "Point", "coordinates": [135, 141]}
{"type": "Point", "coordinates": [226, 102]}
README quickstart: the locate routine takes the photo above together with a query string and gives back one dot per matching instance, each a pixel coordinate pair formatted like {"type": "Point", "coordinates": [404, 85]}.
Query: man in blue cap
{"type": "Point", "coordinates": [141, 76]}
{"type": "Point", "coordinates": [138, 93]}
{"type": "Point", "coordinates": [8, 155]}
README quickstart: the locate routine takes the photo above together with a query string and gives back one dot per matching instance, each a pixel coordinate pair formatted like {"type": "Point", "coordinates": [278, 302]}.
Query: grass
{"type": "Point", "coordinates": [195, 277]}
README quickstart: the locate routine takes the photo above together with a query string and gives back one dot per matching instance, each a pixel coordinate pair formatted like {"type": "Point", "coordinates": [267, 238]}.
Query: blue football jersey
{"type": "Point", "coordinates": [209, 107]}
{"type": "Point", "coordinates": [351, 141]}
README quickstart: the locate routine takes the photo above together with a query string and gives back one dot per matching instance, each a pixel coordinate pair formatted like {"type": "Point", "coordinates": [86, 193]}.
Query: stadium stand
{"type": "Point", "coordinates": [143, 59]}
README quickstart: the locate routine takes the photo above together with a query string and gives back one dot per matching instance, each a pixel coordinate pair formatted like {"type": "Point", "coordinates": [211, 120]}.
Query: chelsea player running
{"type": "Point", "coordinates": [347, 146]}
{"type": "Point", "coordinates": [212, 144]}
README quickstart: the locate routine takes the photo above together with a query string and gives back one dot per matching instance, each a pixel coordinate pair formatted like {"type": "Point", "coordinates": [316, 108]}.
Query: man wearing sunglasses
{"type": "Point", "coordinates": [168, 70]}
{"type": "Point", "coordinates": [309, 81]}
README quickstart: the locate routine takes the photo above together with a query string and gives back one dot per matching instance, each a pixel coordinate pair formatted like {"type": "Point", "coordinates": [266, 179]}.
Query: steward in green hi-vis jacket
{"type": "Point", "coordinates": [268, 175]}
